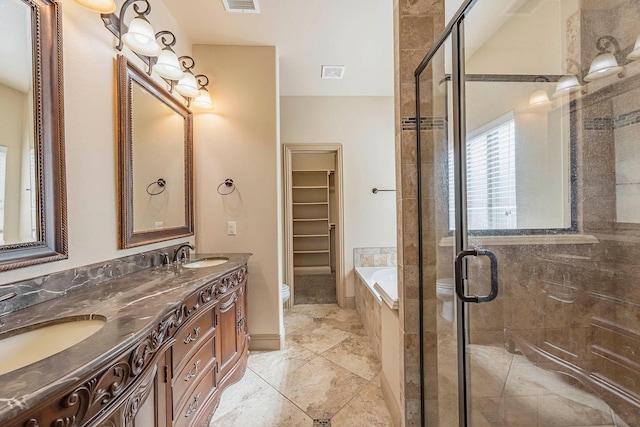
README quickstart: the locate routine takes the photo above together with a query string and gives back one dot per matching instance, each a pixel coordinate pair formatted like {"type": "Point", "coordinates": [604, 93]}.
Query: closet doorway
{"type": "Point", "coordinates": [313, 240]}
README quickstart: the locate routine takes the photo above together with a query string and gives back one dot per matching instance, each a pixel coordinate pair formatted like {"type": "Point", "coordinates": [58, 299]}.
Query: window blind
{"type": "Point", "coordinates": [491, 177]}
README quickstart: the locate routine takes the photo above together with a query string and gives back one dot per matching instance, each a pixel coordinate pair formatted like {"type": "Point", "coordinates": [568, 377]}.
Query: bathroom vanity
{"type": "Point", "coordinates": [173, 339]}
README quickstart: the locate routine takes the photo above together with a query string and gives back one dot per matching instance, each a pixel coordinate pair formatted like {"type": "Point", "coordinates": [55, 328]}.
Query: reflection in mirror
{"type": "Point", "coordinates": [17, 179]}
{"type": "Point", "coordinates": [519, 157]}
{"type": "Point", "coordinates": [158, 163]}
{"type": "Point", "coordinates": [32, 182]}
{"type": "Point", "coordinates": [155, 166]}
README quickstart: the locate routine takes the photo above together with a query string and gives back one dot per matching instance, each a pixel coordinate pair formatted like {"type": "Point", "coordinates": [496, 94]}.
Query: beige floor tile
{"type": "Point", "coordinates": [275, 366]}
{"type": "Point", "coordinates": [320, 388]}
{"type": "Point", "coordinates": [253, 402]}
{"type": "Point", "coordinates": [521, 411]}
{"type": "Point", "coordinates": [318, 337]}
{"type": "Point", "coordinates": [367, 408]}
{"type": "Point", "coordinates": [554, 410]}
{"type": "Point", "coordinates": [294, 320]}
{"type": "Point", "coordinates": [316, 310]}
{"type": "Point", "coordinates": [356, 355]}
{"type": "Point", "coordinates": [489, 369]}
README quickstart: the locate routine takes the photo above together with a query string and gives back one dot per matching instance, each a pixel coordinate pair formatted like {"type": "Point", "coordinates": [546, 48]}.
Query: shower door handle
{"type": "Point", "coordinates": [494, 275]}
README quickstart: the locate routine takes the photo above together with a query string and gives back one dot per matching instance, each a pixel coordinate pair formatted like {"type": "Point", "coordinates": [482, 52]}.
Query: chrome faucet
{"type": "Point", "coordinates": [182, 248]}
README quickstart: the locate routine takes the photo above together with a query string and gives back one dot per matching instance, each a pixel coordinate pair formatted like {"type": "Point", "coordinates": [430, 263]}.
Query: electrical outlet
{"type": "Point", "coordinates": [159, 224]}
{"type": "Point", "coordinates": [231, 228]}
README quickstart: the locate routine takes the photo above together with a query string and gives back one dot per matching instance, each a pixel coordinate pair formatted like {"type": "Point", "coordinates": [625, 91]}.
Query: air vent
{"type": "Point", "coordinates": [332, 71]}
{"type": "Point", "coordinates": [241, 6]}
{"type": "Point", "coordinates": [522, 7]}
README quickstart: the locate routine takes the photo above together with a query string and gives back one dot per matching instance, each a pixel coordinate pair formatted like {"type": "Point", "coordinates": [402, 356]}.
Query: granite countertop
{"type": "Point", "coordinates": [132, 305]}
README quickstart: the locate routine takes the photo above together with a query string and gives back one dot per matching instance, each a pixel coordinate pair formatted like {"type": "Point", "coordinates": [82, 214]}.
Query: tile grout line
{"type": "Point", "coordinates": [281, 394]}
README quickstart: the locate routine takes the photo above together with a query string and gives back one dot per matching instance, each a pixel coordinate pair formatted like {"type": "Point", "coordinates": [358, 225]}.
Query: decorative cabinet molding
{"type": "Point", "coordinates": [189, 342]}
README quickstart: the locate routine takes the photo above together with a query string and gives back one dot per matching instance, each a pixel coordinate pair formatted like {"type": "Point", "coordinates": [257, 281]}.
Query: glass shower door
{"type": "Point", "coordinates": [539, 186]}
{"type": "Point", "coordinates": [530, 185]}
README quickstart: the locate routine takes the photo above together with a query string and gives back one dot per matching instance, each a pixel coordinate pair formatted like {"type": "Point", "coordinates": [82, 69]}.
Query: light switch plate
{"type": "Point", "coordinates": [231, 228]}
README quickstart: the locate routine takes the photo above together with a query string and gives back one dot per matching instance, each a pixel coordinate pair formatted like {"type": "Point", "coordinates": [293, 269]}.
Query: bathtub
{"type": "Point", "coordinates": [382, 282]}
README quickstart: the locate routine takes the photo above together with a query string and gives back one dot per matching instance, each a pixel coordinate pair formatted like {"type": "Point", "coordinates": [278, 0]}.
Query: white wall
{"type": "Point", "coordinates": [239, 140]}
{"type": "Point", "coordinates": [90, 138]}
{"type": "Point", "coordinates": [364, 126]}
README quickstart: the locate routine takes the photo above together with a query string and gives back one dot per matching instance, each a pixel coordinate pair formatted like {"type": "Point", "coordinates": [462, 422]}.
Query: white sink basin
{"type": "Point", "coordinates": [36, 342]}
{"type": "Point", "coordinates": [206, 262]}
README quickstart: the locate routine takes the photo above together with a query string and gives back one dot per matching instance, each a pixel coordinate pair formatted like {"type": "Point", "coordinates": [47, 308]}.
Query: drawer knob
{"type": "Point", "coordinates": [189, 338]}
{"type": "Point", "coordinates": [193, 372]}
{"type": "Point", "coordinates": [193, 407]}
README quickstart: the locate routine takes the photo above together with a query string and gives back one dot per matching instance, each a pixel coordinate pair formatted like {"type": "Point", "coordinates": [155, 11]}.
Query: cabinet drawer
{"type": "Point", "coordinates": [190, 337]}
{"type": "Point", "coordinates": [188, 411]}
{"type": "Point", "coordinates": [201, 362]}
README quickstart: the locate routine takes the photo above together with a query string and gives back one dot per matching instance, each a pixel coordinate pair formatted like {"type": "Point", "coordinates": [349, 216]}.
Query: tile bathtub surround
{"type": "Point", "coordinates": [369, 309]}
{"type": "Point", "coordinates": [326, 371]}
{"type": "Point", "coordinates": [374, 257]}
{"type": "Point", "coordinates": [44, 288]}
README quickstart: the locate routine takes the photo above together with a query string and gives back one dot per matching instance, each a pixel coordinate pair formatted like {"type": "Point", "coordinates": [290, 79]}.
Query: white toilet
{"type": "Point", "coordinates": [444, 292]}
{"type": "Point", "coordinates": [286, 293]}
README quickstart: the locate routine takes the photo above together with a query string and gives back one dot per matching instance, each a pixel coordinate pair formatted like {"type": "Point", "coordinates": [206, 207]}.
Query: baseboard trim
{"type": "Point", "coordinates": [389, 399]}
{"type": "Point", "coordinates": [265, 342]}
{"type": "Point", "coordinates": [350, 302]}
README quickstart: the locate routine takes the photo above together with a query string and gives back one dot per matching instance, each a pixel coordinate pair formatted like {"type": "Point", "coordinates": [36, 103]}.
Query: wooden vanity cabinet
{"type": "Point", "coordinates": [172, 377]}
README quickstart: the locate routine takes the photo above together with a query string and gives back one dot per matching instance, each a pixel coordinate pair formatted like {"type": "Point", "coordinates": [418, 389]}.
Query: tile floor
{"type": "Point", "coordinates": [327, 371]}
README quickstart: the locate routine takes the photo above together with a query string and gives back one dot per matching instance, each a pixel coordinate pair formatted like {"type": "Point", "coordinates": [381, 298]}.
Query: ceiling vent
{"type": "Point", "coordinates": [332, 71]}
{"type": "Point", "coordinates": [241, 6]}
{"type": "Point", "coordinates": [522, 7]}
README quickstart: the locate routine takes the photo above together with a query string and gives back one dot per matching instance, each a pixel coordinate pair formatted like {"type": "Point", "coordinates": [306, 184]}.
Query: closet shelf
{"type": "Point", "coordinates": [309, 219]}
{"type": "Point", "coordinates": [300, 187]}
{"type": "Point", "coordinates": [309, 203]}
{"type": "Point", "coordinates": [315, 251]}
{"type": "Point", "coordinates": [296, 236]}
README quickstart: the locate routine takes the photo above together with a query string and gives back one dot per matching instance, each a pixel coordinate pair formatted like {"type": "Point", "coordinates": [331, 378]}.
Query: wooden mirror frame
{"type": "Point", "coordinates": [48, 104]}
{"type": "Point", "coordinates": [127, 75]}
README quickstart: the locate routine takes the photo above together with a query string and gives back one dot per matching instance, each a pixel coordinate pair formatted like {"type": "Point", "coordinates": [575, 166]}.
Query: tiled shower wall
{"type": "Point", "coordinates": [416, 25]}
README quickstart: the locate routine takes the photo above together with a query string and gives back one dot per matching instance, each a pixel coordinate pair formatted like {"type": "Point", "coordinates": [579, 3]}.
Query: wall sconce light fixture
{"type": "Point", "coordinates": [540, 97]}
{"type": "Point", "coordinates": [568, 83]}
{"type": "Point", "coordinates": [605, 64]}
{"type": "Point", "coordinates": [204, 98]}
{"type": "Point", "coordinates": [167, 65]}
{"type": "Point", "coordinates": [100, 6]}
{"type": "Point", "coordinates": [635, 53]}
{"type": "Point", "coordinates": [140, 37]}
{"type": "Point", "coordinates": [187, 86]}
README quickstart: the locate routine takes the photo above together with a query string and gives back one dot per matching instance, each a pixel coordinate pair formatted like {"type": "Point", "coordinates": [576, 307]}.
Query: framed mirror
{"type": "Point", "coordinates": [32, 162]}
{"type": "Point", "coordinates": [155, 145]}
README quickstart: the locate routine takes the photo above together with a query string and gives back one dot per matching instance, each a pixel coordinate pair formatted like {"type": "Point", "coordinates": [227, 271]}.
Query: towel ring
{"type": "Point", "coordinates": [160, 183]}
{"type": "Point", "coordinates": [227, 183]}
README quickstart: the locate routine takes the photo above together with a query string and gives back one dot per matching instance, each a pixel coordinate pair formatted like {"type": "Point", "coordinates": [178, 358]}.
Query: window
{"type": "Point", "coordinates": [491, 177]}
